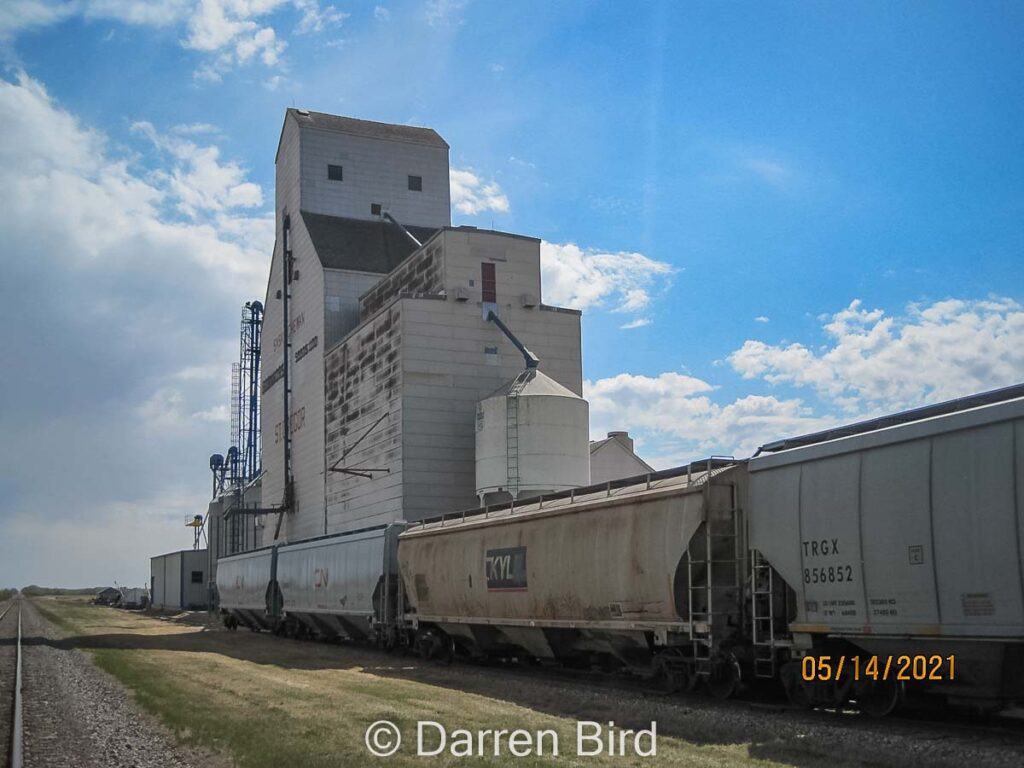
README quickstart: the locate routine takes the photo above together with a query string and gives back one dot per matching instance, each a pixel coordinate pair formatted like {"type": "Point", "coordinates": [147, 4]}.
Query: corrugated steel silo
{"type": "Point", "coordinates": [532, 437]}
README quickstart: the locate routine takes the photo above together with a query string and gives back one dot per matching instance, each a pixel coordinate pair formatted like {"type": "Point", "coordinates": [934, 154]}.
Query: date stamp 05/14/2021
{"type": "Point", "coordinates": [904, 668]}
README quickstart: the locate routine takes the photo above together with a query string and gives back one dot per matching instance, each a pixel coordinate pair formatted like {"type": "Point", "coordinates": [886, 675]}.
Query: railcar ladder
{"type": "Point", "coordinates": [762, 614]}
{"type": "Point", "coordinates": [512, 434]}
{"type": "Point", "coordinates": [703, 640]}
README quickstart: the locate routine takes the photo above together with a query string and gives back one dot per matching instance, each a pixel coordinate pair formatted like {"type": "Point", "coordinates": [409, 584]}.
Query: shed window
{"type": "Point", "coordinates": [197, 577]}
{"type": "Point", "coordinates": [488, 283]}
{"type": "Point", "coordinates": [416, 183]}
{"type": "Point", "coordinates": [334, 173]}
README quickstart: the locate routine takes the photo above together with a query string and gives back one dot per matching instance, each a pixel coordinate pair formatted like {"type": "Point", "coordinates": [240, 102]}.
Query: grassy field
{"type": "Point", "coordinates": [264, 701]}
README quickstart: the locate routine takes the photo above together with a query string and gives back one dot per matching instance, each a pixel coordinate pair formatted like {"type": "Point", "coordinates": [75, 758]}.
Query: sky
{"type": "Point", "coordinates": [776, 217]}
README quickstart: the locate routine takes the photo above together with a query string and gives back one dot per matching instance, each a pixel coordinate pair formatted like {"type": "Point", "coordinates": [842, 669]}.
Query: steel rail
{"type": "Point", "coordinates": [17, 745]}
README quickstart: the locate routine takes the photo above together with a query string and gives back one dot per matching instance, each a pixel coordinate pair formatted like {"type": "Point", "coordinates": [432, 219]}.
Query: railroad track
{"type": "Point", "coordinates": [14, 756]}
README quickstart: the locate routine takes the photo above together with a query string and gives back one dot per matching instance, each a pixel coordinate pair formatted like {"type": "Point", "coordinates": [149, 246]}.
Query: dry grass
{"type": "Point", "coordinates": [199, 682]}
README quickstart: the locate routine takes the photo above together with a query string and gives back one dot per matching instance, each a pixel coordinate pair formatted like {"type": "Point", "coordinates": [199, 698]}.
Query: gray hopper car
{"type": "Point", "coordinates": [904, 542]}
{"type": "Point", "coordinates": [341, 586]}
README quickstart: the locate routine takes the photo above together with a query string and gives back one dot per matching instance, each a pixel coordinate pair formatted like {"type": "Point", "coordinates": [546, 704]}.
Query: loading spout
{"type": "Point", "coordinates": [407, 233]}
{"type": "Point", "coordinates": [532, 361]}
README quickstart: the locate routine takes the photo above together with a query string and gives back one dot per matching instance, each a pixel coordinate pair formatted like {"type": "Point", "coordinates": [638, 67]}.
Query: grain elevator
{"type": "Point", "coordinates": [383, 330]}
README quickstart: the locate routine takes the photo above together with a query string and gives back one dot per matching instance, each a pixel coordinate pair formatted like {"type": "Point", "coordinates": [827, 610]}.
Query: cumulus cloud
{"type": "Point", "coordinates": [877, 362]}
{"type": "Point", "coordinates": [380, 13]}
{"type": "Point", "coordinates": [471, 194]}
{"type": "Point", "coordinates": [586, 279]}
{"type": "Point", "coordinates": [198, 179]}
{"type": "Point", "coordinates": [125, 289]}
{"type": "Point", "coordinates": [676, 418]}
{"type": "Point", "coordinates": [230, 32]}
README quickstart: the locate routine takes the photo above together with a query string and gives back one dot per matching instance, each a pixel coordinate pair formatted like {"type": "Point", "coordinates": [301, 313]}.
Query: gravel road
{"type": "Point", "coordinates": [77, 716]}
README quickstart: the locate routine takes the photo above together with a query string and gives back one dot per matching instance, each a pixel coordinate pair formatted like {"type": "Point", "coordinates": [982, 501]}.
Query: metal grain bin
{"type": "Point", "coordinates": [242, 582]}
{"type": "Point", "coordinates": [532, 437]}
{"type": "Point", "coordinates": [599, 570]}
{"type": "Point", "coordinates": [907, 538]}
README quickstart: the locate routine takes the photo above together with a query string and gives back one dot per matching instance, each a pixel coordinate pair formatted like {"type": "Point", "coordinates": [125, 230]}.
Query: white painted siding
{"type": "Point", "coordinates": [375, 171]}
{"type": "Point", "coordinates": [447, 371]}
{"type": "Point", "coordinates": [614, 461]}
{"type": "Point", "coordinates": [306, 318]}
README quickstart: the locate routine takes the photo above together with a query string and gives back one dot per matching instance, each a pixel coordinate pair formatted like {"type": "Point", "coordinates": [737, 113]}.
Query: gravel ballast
{"type": "Point", "coordinates": [77, 716]}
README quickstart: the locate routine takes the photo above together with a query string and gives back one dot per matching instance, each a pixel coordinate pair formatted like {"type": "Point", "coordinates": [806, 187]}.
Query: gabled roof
{"type": "Point", "coordinates": [368, 128]}
{"type": "Point", "coordinates": [596, 445]}
{"type": "Point", "coordinates": [360, 245]}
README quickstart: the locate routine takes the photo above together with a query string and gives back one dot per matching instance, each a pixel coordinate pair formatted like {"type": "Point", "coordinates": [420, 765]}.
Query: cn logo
{"type": "Point", "coordinates": [320, 578]}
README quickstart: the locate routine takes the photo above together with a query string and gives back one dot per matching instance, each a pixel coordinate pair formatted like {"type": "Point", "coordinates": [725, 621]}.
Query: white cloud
{"type": "Point", "coordinates": [585, 279]}
{"type": "Point", "coordinates": [219, 414]}
{"type": "Point", "coordinates": [227, 28]}
{"type": "Point", "coordinates": [198, 180]}
{"type": "Point", "coordinates": [20, 15]}
{"type": "Point", "coordinates": [675, 418]}
{"type": "Point", "coordinates": [230, 32]}
{"type": "Point", "coordinates": [194, 129]}
{"type": "Point", "coordinates": [275, 82]}
{"type": "Point", "coordinates": [441, 13]}
{"type": "Point", "coordinates": [640, 322]}
{"type": "Point", "coordinates": [380, 13]}
{"type": "Point", "coordinates": [140, 301]}
{"type": "Point", "coordinates": [762, 319]}
{"type": "Point", "coordinates": [316, 18]}
{"type": "Point", "coordinates": [879, 363]}
{"type": "Point", "coordinates": [472, 195]}
{"type": "Point", "coordinates": [875, 365]}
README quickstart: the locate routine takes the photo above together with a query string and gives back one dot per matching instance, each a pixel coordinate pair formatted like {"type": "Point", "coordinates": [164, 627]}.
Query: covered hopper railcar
{"type": "Point", "coordinates": [902, 543]}
{"type": "Point", "coordinates": [629, 574]}
{"type": "Point", "coordinates": [340, 586]}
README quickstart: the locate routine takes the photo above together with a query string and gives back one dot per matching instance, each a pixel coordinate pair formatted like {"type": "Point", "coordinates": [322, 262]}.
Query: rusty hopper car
{"type": "Point", "coordinates": [641, 574]}
{"type": "Point", "coordinates": [903, 541]}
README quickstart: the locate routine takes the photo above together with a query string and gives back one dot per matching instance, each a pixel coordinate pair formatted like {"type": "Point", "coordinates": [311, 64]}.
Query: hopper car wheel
{"type": "Point", "coordinates": [724, 677]}
{"type": "Point", "coordinates": [795, 686]}
{"type": "Point", "coordinates": [878, 698]}
{"type": "Point", "coordinates": [437, 646]}
{"type": "Point", "coordinates": [667, 677]}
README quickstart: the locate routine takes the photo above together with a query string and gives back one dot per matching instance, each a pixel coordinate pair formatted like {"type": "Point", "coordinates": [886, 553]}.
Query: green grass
{"type": "Point", "coordinates": [267, 716]}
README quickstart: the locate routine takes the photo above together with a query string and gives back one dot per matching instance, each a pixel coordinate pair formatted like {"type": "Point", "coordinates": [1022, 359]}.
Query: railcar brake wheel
{"type": "Point", "coordinates": [878, 698]}
{"type": "Point", "coordinates": [724, 677]}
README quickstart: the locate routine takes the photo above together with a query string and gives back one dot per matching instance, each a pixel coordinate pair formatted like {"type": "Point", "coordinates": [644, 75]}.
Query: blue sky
{"type": "Point", "coordinates": [775, 216]}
